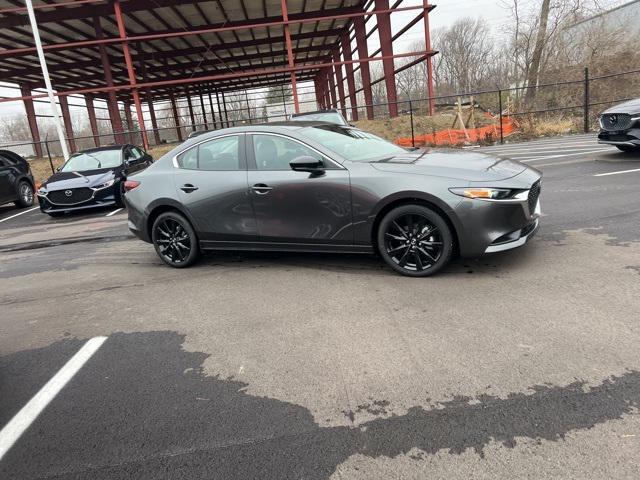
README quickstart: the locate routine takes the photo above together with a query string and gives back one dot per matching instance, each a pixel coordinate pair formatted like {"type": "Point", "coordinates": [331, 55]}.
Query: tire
{"type": "Point", "coordinates": [175, 240]}
{"type": "Point", "coordinates": [627, 148]}
{"type": "Point", "coordinates": [414, 240]}
{"type": "Point", "coordinates": [25, 195]}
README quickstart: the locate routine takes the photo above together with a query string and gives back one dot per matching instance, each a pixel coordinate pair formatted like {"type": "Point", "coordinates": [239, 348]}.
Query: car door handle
{"type": "Point", "coordinates": [261, 188]}
{"type": "Point", "coordinates": [188, 188]}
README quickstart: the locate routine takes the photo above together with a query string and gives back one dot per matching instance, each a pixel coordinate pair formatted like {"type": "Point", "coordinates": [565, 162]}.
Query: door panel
{"type": "Point", "coordinates": [302, 207]}
{"type": "Point", "coordinates": [217, 200]}
{"type": "Point", "coordinates": [7, 191]}
{"type": "Point", "coordinates": [297, 207]}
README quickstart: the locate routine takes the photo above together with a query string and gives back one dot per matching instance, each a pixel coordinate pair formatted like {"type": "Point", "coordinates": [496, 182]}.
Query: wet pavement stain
{"type": "Point", "coordinates": [136, 411]}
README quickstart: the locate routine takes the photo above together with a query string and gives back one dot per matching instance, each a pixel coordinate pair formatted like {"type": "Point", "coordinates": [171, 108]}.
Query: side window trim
{"type": "Point", "coordinates": [242, 156]}
{"type": "Point", "coordinates": [250, 153]}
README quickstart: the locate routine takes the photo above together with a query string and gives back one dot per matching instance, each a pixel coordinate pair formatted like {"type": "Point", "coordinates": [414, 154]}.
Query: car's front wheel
{"type": "Point", "coordinates": [25, 195]}
{"type": "Point", "coordinates": [415, 240]}
{"type": "Point", "coordinates": [628, 148]}
{"type": "Point", "coordinates": [175, 240]}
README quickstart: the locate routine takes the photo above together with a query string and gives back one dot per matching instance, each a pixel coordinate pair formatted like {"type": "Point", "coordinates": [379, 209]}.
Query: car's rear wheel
{"type": "Point", "coordinates": [175, 240]}
{"type": "Point", "coordinates": [415, 240]}
{"type": "Point", "coordinates": [627, 148]}
{"type": "Point", "coordinates": [25, 195]}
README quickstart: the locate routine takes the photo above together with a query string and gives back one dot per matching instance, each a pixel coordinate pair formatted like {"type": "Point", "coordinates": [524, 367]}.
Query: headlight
{"type": "Point", "coordinates": [105, 184]}
{"type": "Point", "coordinates": [485, 193]}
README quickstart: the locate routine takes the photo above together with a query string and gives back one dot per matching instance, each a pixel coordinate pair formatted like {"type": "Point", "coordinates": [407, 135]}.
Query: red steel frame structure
{"type": "Point", "coordinates": [125, 51]}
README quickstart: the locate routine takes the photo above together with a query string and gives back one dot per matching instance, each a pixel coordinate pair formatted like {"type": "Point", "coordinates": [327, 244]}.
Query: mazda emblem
{"type": "Point", "coordinates": [68, 193]}
{"type": "Point", "coordinates": [613, 119]}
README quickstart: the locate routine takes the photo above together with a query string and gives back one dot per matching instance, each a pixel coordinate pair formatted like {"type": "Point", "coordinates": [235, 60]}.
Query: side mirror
{"type": "Point", "coordinates": [306, 163]}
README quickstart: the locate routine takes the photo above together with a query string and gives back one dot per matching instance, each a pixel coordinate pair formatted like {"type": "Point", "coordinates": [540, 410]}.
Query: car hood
{"type": "Point", "coordinates": [88, 178]}
{"type": "Point", "coordinates": [631, 107]}
{"type": "Point", "coordinates": [458, 164]}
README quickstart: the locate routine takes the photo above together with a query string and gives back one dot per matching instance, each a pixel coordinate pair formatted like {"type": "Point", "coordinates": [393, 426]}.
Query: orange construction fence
{"type": "Point", "coordinates": [457, 137]}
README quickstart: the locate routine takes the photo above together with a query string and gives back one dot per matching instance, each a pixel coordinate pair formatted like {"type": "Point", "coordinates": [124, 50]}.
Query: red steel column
{"type": "Point", "coordinates": [339, 80]}
{"type": "Point", "coordinates": [176, 118]}
{"type": "Point", "coordinates": [88, 100]}
{"type": "Point", "coordinates": [191, 115]}
{"type": "Point", "coordinates": [25, 91]}
{"type": "Point", "coordinates": [365, 73]}
{"type": "Point", "coordinates": [66, 118]}
{"type": "Point", "coordinates": [112, 101]}
{"type": "Point", "coordinates": [154, 122]}
{"type": "Point", "coordinates": [130, 127]}
{"type": "Point", "coordinates": [213, 113]}
{"type": "Point", "coordinates": [318, 91]}
{"type": "Point", "coordinates": [384, 29]}
{"type": "Point", "coordinates": [351, 82]}
{"type": "Point", "coordinates": [204, 113]}
{"type": "Point", "coordinates": [130, 71]}
{"type": "Point", "coordinates": [332, 87]}
{"type": "Point", "coordinates": [290, 59]}
{"type": "Point", "coordinates": [429, 60]}
{"type": "Point", "coordinates": [325, 88]}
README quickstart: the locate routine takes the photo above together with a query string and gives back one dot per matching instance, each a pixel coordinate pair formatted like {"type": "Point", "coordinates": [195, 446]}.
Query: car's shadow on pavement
{"type": "Point", "coordinates": [143, 407]}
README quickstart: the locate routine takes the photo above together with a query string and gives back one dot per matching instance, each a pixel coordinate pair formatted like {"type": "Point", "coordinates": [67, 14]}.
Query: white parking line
{"type": "Point", "coordinates": [533, 159]}
{"type": "Point", "coordinates": [617, 173]}
{"type": "Point", "coordinates": [18, 214]}
{"type": "Point", "coordinates": [25, 417]}
{"type": "Point", "coordinates": [114, 212]}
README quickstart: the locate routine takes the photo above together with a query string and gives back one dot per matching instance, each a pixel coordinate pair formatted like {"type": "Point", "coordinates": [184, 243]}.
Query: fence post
{"type": "Point", "coordinates": [586, 100]}
{"type": "Point", "coordinates": [46, 144]}
{"type": "Point", "coordinates": [413, 138]}
{"type": "Point", "coordinates": [500, 115]}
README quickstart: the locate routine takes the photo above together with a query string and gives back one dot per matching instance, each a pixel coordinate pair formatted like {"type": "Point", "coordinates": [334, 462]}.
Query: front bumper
{"type": "Point", "coordinates": [105, 197]}
{"type": "Point", "coordinates": [629, 138]}
{"type": "Point", "coordinates": [515, 239]}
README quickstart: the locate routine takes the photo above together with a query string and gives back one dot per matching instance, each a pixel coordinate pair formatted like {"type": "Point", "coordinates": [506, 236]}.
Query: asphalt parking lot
{"type": "Point", "coordinates": [524, 364]}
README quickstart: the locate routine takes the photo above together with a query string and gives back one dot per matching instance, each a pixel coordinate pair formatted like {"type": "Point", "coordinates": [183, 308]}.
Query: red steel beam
{"type": "Point", "coordinates": [339, 80]}
{"type": "Point", "coordinates": [204, 113]}
{"type": "Point", "coordinates": [191, 115]}
{"type": "Point", "coordinates": [429, 60]}
{"type": "Point", "coordinates": [129, 118]}
{"type": "Point", "coordinates": [386, 45]}
{"type": "Point", "coordinates": [301, 18]}
{"type": "Point", "coordinates": [290, 59]}
{"type": "Point", "coordinates": [152, 115]}
{"type": "Point", "coordinates": [93, 122]}
{"type": "Point", "coordinates": [176, 117]}
{"type": "Point", "coordinates": [258, 73]}
{"type": "Point", "coordinates": [132, 76]}
{"type": "Point", "coordinates": [365, 72]}
{"type": "Point", "coordinates": [112, 101]}
{"type": "Point", "coordinates": [66, 119]}
{"type": "Point", "coordinates": [32, 119]}
{"type": "Point", "coordinates": [332, 86]}
{"type": "Point", "coordinates": [351, 82]}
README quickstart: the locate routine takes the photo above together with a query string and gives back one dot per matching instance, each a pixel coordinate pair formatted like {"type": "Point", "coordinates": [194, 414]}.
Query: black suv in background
{"type": "Point", "coordinates": [620, 126]}
{"type": "Point", "coordinates": [16, 180]}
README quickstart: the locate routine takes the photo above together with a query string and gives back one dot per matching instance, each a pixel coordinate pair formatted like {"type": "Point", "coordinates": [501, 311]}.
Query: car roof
{"type": "Point", "coordinates": [106, 147]}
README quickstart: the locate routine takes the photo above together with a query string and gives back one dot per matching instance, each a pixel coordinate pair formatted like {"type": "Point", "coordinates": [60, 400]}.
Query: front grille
{"type": "Point", "coordinates": [534, 193]}
{"type": "Point", "coordinates": [76, 195]}
{"type": "Point", "coordinates": [615, 121]}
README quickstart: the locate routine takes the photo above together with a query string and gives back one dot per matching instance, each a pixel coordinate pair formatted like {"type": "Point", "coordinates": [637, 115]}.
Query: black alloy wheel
{"type": "Point", "coordinates": [175, 240]}
{"type": "Point", "coordinates": [25, 195]}
{"type": "Point", "coordinates": [415, 241]}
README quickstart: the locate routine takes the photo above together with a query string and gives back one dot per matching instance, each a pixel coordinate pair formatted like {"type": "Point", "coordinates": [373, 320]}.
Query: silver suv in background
{"type": "Point", "coordinates": [620, 126]}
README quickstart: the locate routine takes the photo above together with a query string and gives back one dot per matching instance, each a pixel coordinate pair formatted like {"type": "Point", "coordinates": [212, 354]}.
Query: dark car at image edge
{"type": "Point", "coordinates": [16, 180]}
{"type": "Point", "coordinates": [319, 187]}
{"type": "Point", "coordinates": [91, 178]}
{"type": "Point", "coordinates": [620, 126]}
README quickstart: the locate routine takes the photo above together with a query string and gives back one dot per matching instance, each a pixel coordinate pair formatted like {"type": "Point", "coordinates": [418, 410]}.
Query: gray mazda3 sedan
{"type": "Point", "coordinates": [321, 187]}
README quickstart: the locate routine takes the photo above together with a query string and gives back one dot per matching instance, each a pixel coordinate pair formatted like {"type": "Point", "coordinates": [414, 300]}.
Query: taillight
{"type": "Point", "coordinates": [130, 185]}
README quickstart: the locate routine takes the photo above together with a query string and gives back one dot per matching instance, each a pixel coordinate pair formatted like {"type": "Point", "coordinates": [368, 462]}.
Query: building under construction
{"type": "Point", "coordinates": [135, 62]}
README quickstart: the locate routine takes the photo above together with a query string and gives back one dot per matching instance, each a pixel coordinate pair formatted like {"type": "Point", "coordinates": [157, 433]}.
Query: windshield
{"type": "Point", "coordinates": [331, 117]}
{"type": "Point", "coordinates": [352, 144]}
{"type": "Point", "coordinates": [93, 160]}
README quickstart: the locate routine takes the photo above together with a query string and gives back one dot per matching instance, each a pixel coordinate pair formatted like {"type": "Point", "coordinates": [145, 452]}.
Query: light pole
{"type": "Point", "coordinates": [47, 80]}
